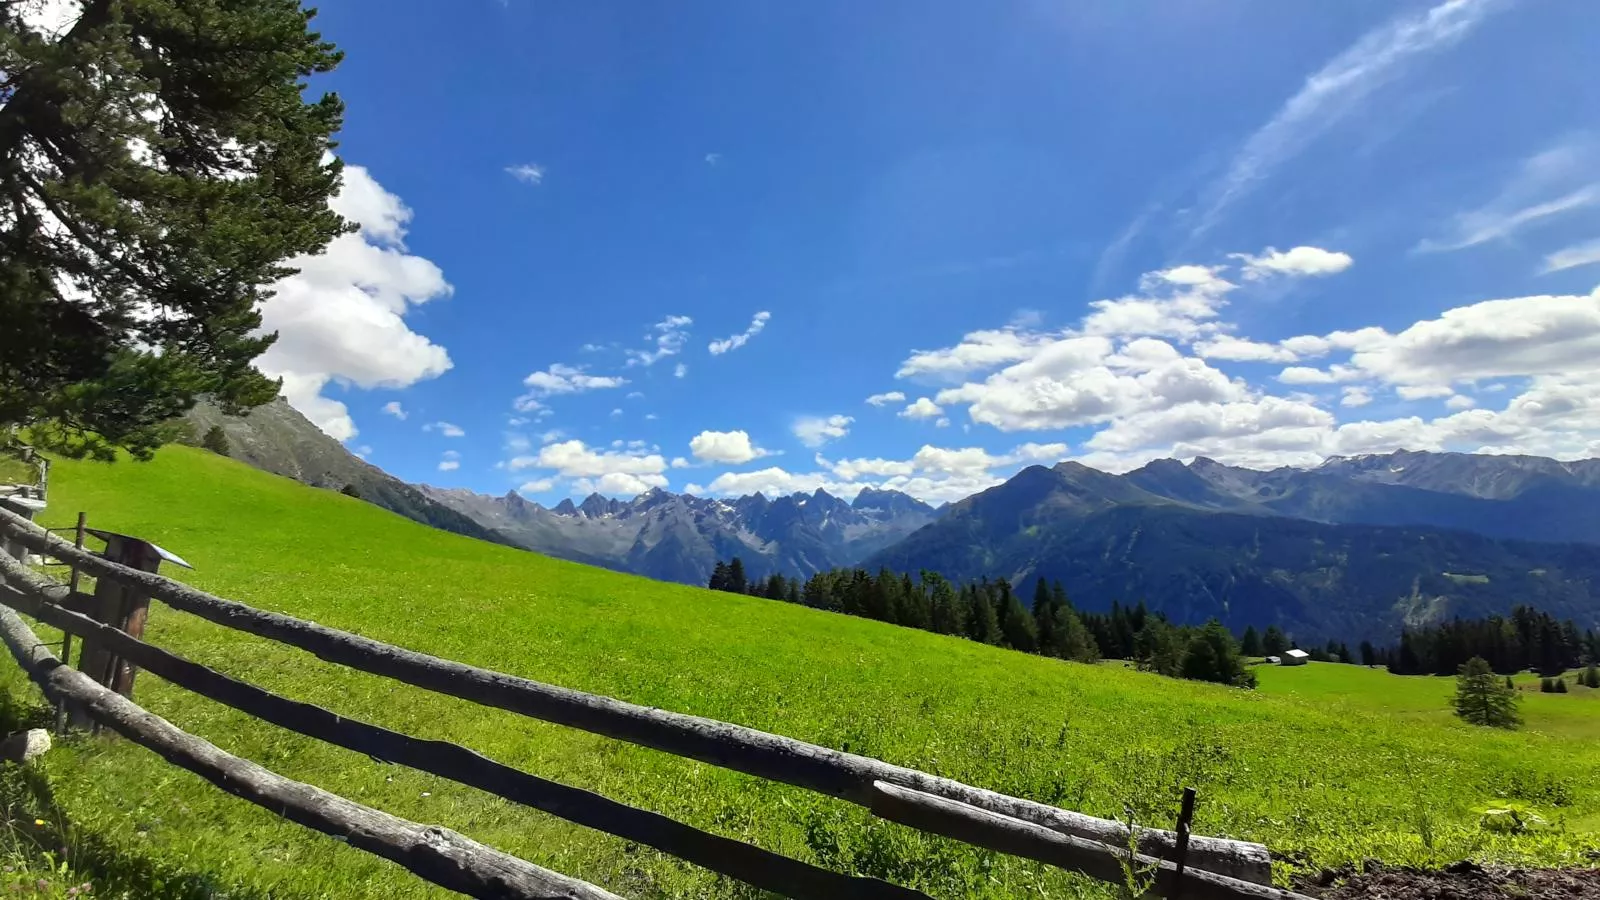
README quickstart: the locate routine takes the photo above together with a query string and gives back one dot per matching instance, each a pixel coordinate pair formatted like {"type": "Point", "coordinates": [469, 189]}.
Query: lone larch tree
{"type": "Point", "coordinates": [159, 167]}
{"type": "Point", "coordinates": [1483, 699]}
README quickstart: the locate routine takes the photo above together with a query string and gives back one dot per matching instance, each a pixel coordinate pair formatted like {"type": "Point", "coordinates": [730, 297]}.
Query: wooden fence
{"type": "Point", "coordinates": [1193, 868]}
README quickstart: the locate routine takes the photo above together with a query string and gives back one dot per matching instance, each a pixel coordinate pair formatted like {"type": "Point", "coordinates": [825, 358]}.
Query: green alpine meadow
{"type": "Point", "coordinates": [1326, 764]}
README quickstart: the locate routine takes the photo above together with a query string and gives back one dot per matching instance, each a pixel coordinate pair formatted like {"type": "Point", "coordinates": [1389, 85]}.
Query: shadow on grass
{"type": "Point", "coordinates": [45, 840]}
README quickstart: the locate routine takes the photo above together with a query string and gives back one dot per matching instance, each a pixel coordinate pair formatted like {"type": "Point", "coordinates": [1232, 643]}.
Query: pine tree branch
{"type": "Point", "coordinates": [13, 116]}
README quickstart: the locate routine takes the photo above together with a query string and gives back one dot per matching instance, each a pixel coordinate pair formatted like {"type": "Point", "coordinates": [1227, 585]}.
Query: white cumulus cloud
{"type": "Point", "coordinates": [341, 318]}
{"type": "Point", "coordinates": [630, 468]}
{"type": "Point", "coordinates": [393, 408]}
{"type": "Point", "coordinates": [814, 431]}
{"type": "Point", "coordinates": [1521, 336]}
{"type": "Point", "coordinates": [1297, 261]}
{"type": "Point", "coordinates": [978, 351]}
{"type": "Point", "coordinates": [731, 447]}
{"type": "Point", "coordinates": [887, 398]}
{"type": "Point", "coordinates": [562, 379]}
{"type": "Point", "coordinates": [1355, 396]}
{"type": "Point", "coordinates": [1226, 346]}
{"type": "Point", "coordinates": [923, 408]}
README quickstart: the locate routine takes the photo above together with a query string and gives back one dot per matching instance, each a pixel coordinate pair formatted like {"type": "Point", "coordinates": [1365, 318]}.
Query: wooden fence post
{"type": "Point", "coordinates": [1185, 821]}
{"type": "Point", "coordinates": [27, 507]}
{"type": "Point", "coordinates": [66, 636]}
{"type": "Point", "coordinates": [122, 606]}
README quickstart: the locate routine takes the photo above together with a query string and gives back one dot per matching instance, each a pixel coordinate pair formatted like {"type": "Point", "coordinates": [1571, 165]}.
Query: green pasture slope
{"type": "Point", "coordinates": [1327, 764]}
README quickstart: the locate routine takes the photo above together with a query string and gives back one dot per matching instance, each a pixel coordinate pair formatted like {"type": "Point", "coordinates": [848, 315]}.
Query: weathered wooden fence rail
{"type": "Point", "coordinates": [1216, 868]}
{"type": "Point", "coordinates": [435, 853]}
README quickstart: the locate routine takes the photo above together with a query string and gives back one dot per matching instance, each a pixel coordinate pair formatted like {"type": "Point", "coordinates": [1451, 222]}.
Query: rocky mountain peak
{"type": "Point", "coordinates": [889, 502]}
{"type": "Point", "coordinates": [1166, 466]}
{"type": "Point", "coordinates": [518, 506]}
{"type": "Point", "coordinates": [594, 506]}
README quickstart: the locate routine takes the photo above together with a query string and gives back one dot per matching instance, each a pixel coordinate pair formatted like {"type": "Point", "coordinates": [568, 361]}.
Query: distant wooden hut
{"type": "Point", "coordinates": [1294, 657]}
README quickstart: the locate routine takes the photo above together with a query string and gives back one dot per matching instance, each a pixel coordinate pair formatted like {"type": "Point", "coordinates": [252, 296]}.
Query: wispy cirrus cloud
{"type": "Point", "coordinates": [669, 335]}
{"type": "Point", "coordinates": [1338, 89]}
{"type": "Point", "coordinates": [527, 173]}
{"type": "Point", "coordinates": [1585, 254]}
{"type": "Point", "coordinates": [757, 323]}
{"type": "Point", "coordinates": [1552, 183]}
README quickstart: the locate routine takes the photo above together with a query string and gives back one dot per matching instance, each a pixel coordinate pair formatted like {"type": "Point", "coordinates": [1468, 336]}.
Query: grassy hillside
{"type": "Point", "coordinates": [1329, 764]}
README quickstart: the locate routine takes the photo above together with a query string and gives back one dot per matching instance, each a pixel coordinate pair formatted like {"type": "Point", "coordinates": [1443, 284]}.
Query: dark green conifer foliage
{"type": "Point", "coordinates": [167, 226]}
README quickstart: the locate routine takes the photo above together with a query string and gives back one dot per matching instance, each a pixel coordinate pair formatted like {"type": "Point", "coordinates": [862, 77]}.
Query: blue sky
{"type": "Point", "coordinates": [1262, 232]}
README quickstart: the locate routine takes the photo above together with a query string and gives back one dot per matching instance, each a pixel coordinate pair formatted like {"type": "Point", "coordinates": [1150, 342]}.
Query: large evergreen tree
{"type": "Point", "coordinates": [776, 588]}
{"type": "Point", "coordinates": [945, 613]}
{"type": "Point", "coordinates": [1482, 699]}
{"type": "Point", "coordinates": [1044, 617]}
{"type": "Point", "coordinates": [915, 610]}
{"type": "Point", "coordinates": [158, 167]}
{"type": "Point", "coordinates": [737, 581]}
{"type": "Point", "coordinates": [1017, 625]}
{"type": "Point", "coordinates": [1071, 640]}
{"type": "Point", "coordinates": [1159, 648]}
{"type": "Point", "coordinates": [1212, 655]}
{"type": "Point", "coordinates": [1274, 643]}
{"type": "Point", "coordinates": [982, 623]}
{"type": "Point", "coordinates": [1250, 645]}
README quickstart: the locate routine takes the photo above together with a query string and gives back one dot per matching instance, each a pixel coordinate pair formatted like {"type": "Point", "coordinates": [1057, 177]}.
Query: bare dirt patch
{"type": "Point", "coordinates": [1462, 881]}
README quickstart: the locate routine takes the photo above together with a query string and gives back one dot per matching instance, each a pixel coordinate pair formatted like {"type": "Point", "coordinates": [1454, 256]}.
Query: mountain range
{"type": "Point", "coordinates": [681, 537]}
{"type": "Point", "coordinates": [1351, 549]}
{"type": "Point", "coordinates": [661, 535]}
